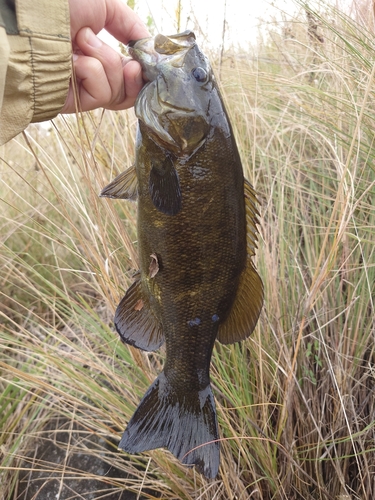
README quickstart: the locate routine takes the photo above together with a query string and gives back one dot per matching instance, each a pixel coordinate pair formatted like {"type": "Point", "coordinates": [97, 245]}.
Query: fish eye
{"type": "Point", "coordinates": [199, 74]}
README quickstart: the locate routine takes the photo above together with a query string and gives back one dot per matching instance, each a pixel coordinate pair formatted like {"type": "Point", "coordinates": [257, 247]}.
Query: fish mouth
{"type": "Point", "coordinates": [168, 104]}
{"type": "Point", "coordinates": [150, 52]}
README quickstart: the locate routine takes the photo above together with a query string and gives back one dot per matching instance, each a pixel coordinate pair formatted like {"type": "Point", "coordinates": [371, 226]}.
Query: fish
{"type": "Point", "coordinates": [197, 234]}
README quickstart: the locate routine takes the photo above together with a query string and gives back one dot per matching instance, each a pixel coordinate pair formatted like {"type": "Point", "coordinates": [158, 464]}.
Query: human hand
{"type": "Point", "coordinates": [105, 78]}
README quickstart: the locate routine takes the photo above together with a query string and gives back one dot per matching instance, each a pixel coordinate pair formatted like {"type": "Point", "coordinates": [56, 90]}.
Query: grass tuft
{"type": "Point", "coordinates": [295, 401]}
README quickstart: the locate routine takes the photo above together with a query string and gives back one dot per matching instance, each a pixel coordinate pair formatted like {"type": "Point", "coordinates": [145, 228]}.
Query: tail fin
{"type": "Point", "coordinates": [181, 422]}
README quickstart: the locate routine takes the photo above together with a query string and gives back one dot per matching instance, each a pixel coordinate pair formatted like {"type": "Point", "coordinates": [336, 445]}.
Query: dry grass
{"type": "Point", "coordinates": [296, 402]}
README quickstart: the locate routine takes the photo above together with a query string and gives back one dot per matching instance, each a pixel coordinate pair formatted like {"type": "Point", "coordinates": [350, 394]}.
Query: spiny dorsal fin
{"type": "Point", "coordinates": [252, 214]}
{"type": "Point", "coordinates": [249, 298]}
{"type": "Point", "coordinates": [135, 321]}
{"type": "Point", "coordinates": [124, 186]}
{"type": "Point", "coordinates": [164, 186]}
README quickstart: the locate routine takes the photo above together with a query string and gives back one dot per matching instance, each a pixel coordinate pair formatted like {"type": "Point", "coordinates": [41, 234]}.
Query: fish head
{"type": "Point", "coordinates": [175, 103]}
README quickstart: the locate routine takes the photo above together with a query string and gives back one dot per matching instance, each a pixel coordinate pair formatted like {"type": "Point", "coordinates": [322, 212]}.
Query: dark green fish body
{"type": "Point", "coordinates": [196, 237]}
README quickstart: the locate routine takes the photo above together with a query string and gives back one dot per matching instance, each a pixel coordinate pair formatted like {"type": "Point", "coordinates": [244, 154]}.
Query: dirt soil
{"type": "Point", "coordinates": [64, 447]}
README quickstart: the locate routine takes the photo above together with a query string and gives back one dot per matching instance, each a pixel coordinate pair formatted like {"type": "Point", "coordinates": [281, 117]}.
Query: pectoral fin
{"type": "Point", "coordinates": [124, 186]}
{"type": "Point", "coordinates": [135, 321]}
{"type": "Point", "coordinates": [249, 298]}
{"type": "Point", "coordinates": [164, 186]}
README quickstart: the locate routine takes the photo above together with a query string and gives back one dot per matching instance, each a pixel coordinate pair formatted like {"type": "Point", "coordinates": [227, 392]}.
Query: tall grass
{"type": "Point", "coordinates": [295, 401]}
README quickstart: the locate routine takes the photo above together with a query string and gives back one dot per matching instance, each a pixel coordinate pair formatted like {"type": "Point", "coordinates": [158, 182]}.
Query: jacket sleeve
{"type": "Point", "coordinates": [35, 62]}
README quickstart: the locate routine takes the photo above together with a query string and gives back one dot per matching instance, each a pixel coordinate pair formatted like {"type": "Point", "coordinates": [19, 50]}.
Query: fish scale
{"type": "Point", "coordinates": [197, 235]}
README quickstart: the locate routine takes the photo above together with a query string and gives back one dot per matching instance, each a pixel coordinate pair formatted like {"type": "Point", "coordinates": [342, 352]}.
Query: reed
{"type": "Point", "coordinates": [295, 401]}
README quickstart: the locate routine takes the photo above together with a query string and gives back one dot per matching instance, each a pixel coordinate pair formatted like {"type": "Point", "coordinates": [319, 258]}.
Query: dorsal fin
{"type": "Point", "coordinates": [249, 298]}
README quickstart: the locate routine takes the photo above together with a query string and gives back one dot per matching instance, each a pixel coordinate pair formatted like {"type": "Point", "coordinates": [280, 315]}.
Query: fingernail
{"type": "Point", "coordinates": [92, 39]}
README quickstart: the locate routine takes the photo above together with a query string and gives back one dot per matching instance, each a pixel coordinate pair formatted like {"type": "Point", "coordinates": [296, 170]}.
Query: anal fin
{"type": "Point", "coordinates": [135, 321]}
{"type": "Point", "coordinates": [249, 298]}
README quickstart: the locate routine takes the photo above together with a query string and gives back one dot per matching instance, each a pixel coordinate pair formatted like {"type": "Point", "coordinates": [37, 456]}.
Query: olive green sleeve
{"type": "Point", "coordinates": [35, 62]}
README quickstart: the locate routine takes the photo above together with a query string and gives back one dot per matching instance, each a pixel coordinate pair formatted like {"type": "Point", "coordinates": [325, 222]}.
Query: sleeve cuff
{"type": "Point", "coordinates": [35, 65]}
{"type": "Point", "coordinates": [51, 76]}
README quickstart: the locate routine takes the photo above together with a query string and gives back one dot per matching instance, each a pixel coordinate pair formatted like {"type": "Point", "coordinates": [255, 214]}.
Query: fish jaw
{"type": "Point", "coordinates": [175, 103]}
{"type": "Point", "coordinates": [151, 52]}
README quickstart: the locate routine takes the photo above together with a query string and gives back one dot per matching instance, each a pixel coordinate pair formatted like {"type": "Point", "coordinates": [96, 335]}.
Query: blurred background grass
{"type": "Point", "coordinates": [296, 400]}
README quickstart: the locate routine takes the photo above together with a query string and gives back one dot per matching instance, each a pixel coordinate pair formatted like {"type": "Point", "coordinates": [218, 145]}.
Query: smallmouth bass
{"type": "Point", "coordinates": [197, 235]}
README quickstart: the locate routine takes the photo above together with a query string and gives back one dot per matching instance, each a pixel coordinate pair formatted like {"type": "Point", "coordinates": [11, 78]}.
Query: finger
{"type": "Point", "coordinates": [133, 82]}
{"type": "Point", "coordinates": [123, 23]}
{"type": "Point", "coordinates": [111, 61]}
{"type": "Point", "coordinates": [91, 13]}
{"type": "Point", "coordinates": [92, 85]}
{"type": "Point", "coordinates": [94, 89]}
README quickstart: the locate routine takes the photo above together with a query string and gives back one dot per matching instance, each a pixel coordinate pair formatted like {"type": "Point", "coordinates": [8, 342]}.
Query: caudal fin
{"type": "Point", "coordinates": [182, 422]}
